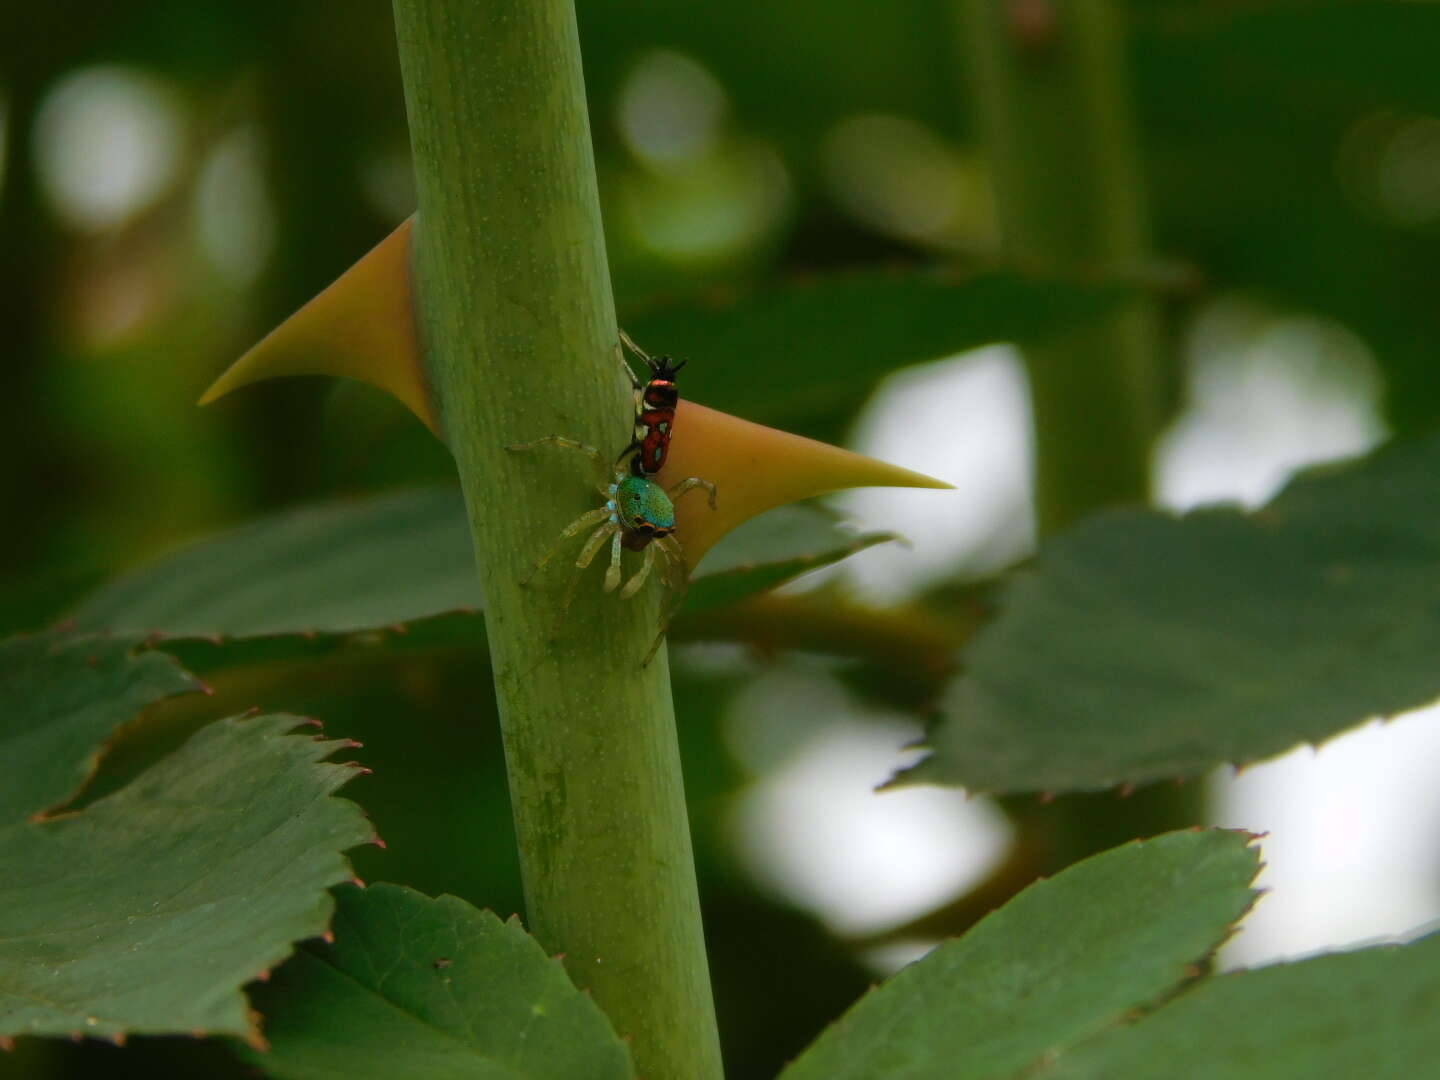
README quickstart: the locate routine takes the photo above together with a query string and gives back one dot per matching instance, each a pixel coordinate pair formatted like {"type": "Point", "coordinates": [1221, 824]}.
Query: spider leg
{"type": "Point", "coordinates": [676, 554]}
{"type": "Point", "coordinates": [690, 483]}
{"type": "Point", "coordinates": [580, 524]}
{"type": "Point", "coordinates": [629, 372]}
{"type": "Point", "coordinates": [633, 585]}
{"type": "Point", "coordinates": [661, 572]}
{"type": "Point", "coordinates": [612, 572]}
{"type": "Point", "coordinates": [636, 349]}
{"type": "Point", "coordinates": [565, 444]}
{"type": "Point", "coordinates": [595, 541]}
{"type": "Point", "coordinates": [592, 544]}
{"type": "Point", "coordinates": [671, 547]}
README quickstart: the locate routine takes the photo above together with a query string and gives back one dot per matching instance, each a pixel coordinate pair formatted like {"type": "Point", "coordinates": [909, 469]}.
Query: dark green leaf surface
{"type": "Point", "coordinates": [150, 909]}
{"type": "Point", "coordinates": [1323, 50]}
{"type": "Point", "coordinates": [61, 697]}
{"type": "Point", "coordinates": [335, 568]}
{"type": "Point", "coordinates": [1064, 960]}
{"type": "Point", "coordinates": [770, 550]}
{"type": "Point", "coordinates": [431, 988]}
{"type": "Point", "coordinates": [358, 566]}
{"type": "Point", "coordinates": [1370, 1013]}
{"type": "Point", "coordinates": [814, 350]}
{"type": "Point", "coordinates": [1145, 646]}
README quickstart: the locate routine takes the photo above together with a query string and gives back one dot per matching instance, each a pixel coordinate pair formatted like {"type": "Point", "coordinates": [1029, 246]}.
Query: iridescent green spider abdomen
{"type": "Point", "coordinates": [645, 512]}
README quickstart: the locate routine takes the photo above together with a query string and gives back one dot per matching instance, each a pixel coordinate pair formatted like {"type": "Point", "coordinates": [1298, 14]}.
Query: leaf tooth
{"type": "Point", "coordinates": [253, 1038]}
{"type": "Point", "coordinates": [7, 1043]}
{"type": "Point", "coordinates": [357, 881]}
{"type": "Point", "coordinates": [1125, 790]}
{"type": "Point", "coordinates": [361, 770]}
{"type": "Point", "coordinates": [328, 937]}
{"type": "Point", "coordinates": [379, 842]}
{"type": "Point", "coordinates": [1046, 797]}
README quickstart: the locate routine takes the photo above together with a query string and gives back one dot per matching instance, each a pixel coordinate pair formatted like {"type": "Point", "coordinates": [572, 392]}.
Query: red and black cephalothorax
{"type": "Point", "coordinates": [655, 403]}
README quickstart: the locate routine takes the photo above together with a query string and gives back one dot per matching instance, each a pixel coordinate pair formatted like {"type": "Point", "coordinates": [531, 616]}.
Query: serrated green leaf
{"type": "Point", "coordinates": [1370, 1013]}
{"type": "Point", "coordinates": [351, 567]}
{"type": "Point", "coordinates": [434, 988]}
{"type": "Point", "coordinates": [1144, 646]}
{"type": "Point", "coordinates": [149, 910]}
{"type": "Point", "coordinates": [1064, 960]}
{"type": "Point", "coordinates": [812, 351]}
{"type": "Point", "coordinates": [61, 697]}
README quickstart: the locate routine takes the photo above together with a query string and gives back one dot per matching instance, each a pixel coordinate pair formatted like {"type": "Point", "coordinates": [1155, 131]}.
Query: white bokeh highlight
{"type": "Point", "coordinates": [1267, 396]}
{"type": "Point", "coordinates": [965, 420]}
{"type": "Point", "coordinates": [1353, 845]}
{"type": "Point", "coordinates": [817, 833]}
{"type": "Point", "coordinates": [107, 144]}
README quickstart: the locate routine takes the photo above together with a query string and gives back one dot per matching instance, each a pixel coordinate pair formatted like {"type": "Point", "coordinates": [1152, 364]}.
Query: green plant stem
{"type": "Point", "coordinates": [1047, 79]}
{"type": "Point", "coordinates": [1048, 85]}
{"type": "Point", "coordinates": [519, 326]}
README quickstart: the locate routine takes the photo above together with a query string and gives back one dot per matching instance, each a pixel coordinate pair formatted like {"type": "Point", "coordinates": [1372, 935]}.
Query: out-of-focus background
{"type": "Point", "coordinates": [177, 176]}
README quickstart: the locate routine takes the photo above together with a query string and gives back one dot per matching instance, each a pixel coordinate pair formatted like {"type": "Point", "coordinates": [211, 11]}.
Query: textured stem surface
{"type": "Point", "coordinates": [519, 327]}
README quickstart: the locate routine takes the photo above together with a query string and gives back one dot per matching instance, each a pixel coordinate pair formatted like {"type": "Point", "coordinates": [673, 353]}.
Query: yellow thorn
{"type": "Point", "coordinates": [361, 327]}
{"type": "Point", "coordinates": [756, 468]}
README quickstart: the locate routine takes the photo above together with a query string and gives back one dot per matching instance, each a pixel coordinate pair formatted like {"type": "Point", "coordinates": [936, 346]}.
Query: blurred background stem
{"type": "Point", "coordinates": [519, 325]}
{"type": "Point", "coordinates": [1049, 84]}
